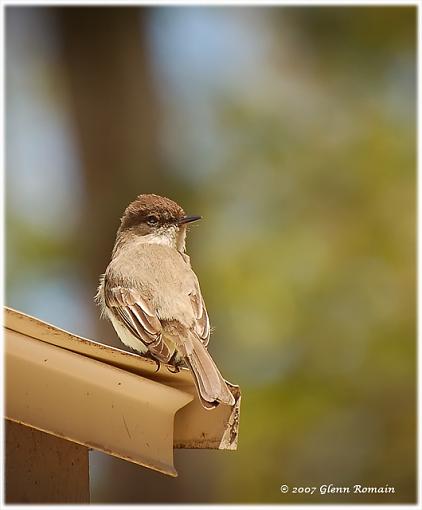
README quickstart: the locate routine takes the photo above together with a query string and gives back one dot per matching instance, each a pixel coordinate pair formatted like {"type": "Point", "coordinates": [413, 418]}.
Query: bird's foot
{"type": "Point", "coordinates": [148, 355]}
{"type": "Point", "coordinates": [173, 365]}
{"type": "Point", "coordinates": [175, 368]}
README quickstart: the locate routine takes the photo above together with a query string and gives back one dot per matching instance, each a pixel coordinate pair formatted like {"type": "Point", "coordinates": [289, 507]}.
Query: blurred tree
{"type": "Point", "coordinates": [116, 112]}
{"type": "Point", "coordinates": [107, 62]}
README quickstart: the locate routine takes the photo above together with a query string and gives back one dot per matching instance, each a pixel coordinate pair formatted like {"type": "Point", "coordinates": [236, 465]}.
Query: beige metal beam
{"type": "Point", "coordinates": [194, 426]}
{"type": "Point", "coordinates": [107, 399]}
{"type": "Point", "coordinates": [91, 403]}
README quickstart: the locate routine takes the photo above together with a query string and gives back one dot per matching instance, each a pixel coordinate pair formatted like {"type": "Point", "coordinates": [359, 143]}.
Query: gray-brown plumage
{"type": "Point", "coordinates": [152, 296]}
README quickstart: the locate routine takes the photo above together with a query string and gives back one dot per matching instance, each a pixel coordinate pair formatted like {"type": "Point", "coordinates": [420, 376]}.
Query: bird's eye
{"type": "Point", "coordinates": [152, 220]}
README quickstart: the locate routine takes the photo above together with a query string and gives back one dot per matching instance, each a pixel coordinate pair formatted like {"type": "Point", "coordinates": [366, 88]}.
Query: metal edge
{"type": "Point", "coordinates": [41, 376]}
{"type": "Point", "coordinates": [195, 427]}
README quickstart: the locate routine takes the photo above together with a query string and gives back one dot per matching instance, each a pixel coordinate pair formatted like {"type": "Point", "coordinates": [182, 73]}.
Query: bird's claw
{"type": "Point", "coordinates": [158, 365]}
{"type": "Point", "coordinates": [176, 369]}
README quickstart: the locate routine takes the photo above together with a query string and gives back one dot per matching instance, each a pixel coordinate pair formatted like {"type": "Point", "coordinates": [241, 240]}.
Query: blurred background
{"type": "Point", "coordinates": [292, 131]}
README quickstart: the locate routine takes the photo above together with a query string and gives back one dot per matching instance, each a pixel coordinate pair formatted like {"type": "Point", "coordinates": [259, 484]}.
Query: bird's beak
{"type": "Point", "coordinates": [188, 219]}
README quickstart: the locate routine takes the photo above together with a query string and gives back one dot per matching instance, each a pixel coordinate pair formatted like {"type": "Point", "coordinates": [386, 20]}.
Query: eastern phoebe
{"type": "Point", "coordinates": [152, 297]}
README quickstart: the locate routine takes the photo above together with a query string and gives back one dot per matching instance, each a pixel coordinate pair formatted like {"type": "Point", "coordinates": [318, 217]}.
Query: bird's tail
{"type": "Point", "coordinates": [211, 386]}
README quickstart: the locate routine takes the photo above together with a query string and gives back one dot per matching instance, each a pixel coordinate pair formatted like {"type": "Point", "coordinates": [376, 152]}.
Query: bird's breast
{"type": "Point", "coordinates": [162, 275]}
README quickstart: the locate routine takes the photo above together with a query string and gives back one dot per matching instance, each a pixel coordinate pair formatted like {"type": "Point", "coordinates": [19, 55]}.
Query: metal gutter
{"type": "Point", "coordinates": [105, 398]}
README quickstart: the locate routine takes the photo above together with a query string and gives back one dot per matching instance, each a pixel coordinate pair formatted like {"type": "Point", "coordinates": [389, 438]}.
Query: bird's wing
{"type": "Point", "coordinates": [202, 322]}
{"type": "Point", "coordinates": [131, 308]}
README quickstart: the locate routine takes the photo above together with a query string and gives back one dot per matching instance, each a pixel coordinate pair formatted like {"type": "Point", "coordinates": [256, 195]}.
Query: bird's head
{"type": "Point", "coordinates": [157, 220]}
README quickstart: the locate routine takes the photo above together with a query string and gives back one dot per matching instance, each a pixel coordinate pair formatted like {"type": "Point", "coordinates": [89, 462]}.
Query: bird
{"type": "Point", "coordinates": [152, 296]}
